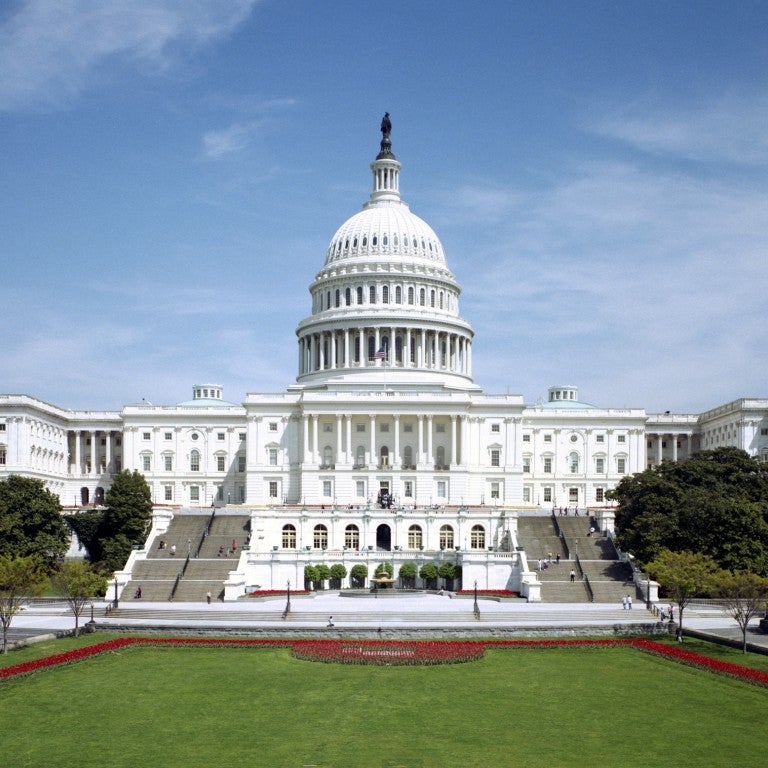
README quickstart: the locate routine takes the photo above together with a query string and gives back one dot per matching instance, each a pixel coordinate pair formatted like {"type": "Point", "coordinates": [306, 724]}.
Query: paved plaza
{"type": "Point", "coordinates": [386, 615]}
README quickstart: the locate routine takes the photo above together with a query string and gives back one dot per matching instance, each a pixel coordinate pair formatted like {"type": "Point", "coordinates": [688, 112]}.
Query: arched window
{"type": "Point", "coordinates": [372, 294]}
{"type": "Point", "coordinates": [398, 295]}
{"type": "Point", "coordinates": [360, 294]}
{"type": "Point", "coordinates": [360, 456]}
{"type": "Point", "coordinates": [365, 241]}
{"type": "Point", "coordinates": [289, 537]}
{"type": "Point", "coordinates": [328, 456]}
{"type": "Point", "coordinates": [432, 298]}
{"type": "Point", "coordinates": [442, 295]}
{"type": "Point", "coordinates": [348, 296]}
{"type": "Point", "coordinates": [446, 537]}
{"type": "Point", "coordinates": [440, 456]}
{"type": "Point", "coordinates": [320, 537]}
{"type": "Point", "coordinates": [384, 456]}
{"type": "Point", "coordinates": [371, 347]}
{"type": "Point", "coordinates": [352, 537]}
{"type": "Point", "coordinates": [338, 297]}
{"type": "Point", "coordinates": [422, 297]}
{"type": "Point", "coordinates": [410, 295]}
{"type": "Point", "coordinates": [399, 349]}
{"type": "Point", "coordinates": [357, 349]}
{"type": "Point", "coordinates": [328, 302]}
{"type": "Point", "coordinates": [385, 294]}
{"type": "Point", "coordinates": [415, 539]}
{"type": "Point", "coordinates": [407, 457]}
{"type": "Point", "coordinates": [194, 461]}
{"type": "Point", "coordinates": [477, 537]}
{"type": "Point", "coordinates": [573, 462]}
{"type": "Point", "coordinates": [384, 240]}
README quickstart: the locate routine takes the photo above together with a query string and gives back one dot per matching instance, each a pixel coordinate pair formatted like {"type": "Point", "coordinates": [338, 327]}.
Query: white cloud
{"type": "Point", "coordinates": [227, 140]}
{"type": "Point", "coordinates": [730, 129]}
{"type": "Point", "coordinates": [51, 51]}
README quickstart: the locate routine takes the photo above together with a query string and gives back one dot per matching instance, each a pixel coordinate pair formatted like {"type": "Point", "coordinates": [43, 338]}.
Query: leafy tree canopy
{"type": "Point", "coordinates": [129, 506]}
{"type": "Point", "coordinates": [715, 502]}
{"type": "Point", "coordinates": [407, 571]}
{"type": "Point", "coordinates": [20, 577]}
{"type": "Point", "coordinates": [31, 521]}
{"type": "Point", "coordinates": [338, 571]}
{"type": "Point", "coordinates": [79, 583]}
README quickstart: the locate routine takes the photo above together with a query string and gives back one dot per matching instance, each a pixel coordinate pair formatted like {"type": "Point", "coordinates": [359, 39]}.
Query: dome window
{"type": "Point", "coordinates": [375, 241]}
{"type": "Point", "coordinates": [394, 239]}
{"type": "Point", "coordinates": [354, 243]}
{"type": "Point", "coordinates": [360, 295]}
{"type": "Point", "coordinates": [384, 240]}
{"type": "Point", "coordinates": [423, 245]}
{"type": "Point", "coordinates": [338, 247]}
{"type": "Point", "coordinates": [348, 296]}
{"type": "Point", "coordinates": [365, 242]}
{"type": "Point", "coordinates": [414, 243]}
{"type": "Point", "coordinates": [346, 245]}
{"type": "Point", "coordinates": [430, 247]}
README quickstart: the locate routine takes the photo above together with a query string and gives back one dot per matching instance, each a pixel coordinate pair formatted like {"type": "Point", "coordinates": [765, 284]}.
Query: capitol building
{"type": "Point", "coordinates": [384, 443]}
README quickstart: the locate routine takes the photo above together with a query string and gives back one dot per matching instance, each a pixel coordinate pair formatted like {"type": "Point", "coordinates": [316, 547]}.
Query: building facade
{"type": "Point", "coordinates": [384, 415]}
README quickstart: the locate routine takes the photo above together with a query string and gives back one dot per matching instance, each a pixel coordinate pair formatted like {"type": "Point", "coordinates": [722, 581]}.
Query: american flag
{"type": "Point", "coordinates": [380, 355]}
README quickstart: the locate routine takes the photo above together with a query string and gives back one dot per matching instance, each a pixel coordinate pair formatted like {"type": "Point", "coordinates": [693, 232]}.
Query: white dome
{"type": "Point", "coordinates": [388, 230]}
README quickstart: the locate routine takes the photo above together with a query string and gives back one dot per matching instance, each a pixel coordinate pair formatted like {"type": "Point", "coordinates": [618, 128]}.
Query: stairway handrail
{"type": "Point", "coordinates": [174, 588]}
{"type": "Point", "coordinates": [206, 533]}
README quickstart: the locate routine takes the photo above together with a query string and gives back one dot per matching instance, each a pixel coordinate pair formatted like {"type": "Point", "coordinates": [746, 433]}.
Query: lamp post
{"type": "Point", "coordinates": [115, 592]}
{"type": "Point", "coordinates": [476, 606]}
{"type": "Point", "coordinates": [288, 601]}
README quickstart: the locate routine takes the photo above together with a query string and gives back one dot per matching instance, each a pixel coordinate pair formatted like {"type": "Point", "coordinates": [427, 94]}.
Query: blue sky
{"type": "Point", "coordinates": [173, 171]}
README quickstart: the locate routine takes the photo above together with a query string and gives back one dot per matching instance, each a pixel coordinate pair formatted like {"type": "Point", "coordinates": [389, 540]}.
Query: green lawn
{"type": "Point", "coordinates": [145, 706]}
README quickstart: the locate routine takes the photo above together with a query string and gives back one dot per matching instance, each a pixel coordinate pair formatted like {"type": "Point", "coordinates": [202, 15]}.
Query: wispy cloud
{"type": "Point", "coordinates": [51, 52]}
{"type": "Point", "coordinates": [729, 129]}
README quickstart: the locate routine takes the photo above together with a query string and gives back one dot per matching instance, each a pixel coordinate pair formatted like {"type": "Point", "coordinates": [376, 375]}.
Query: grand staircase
{"type": "Point", "coordinates": [213, 544]}
{"type": "Point", "coordinates": [600, 576]}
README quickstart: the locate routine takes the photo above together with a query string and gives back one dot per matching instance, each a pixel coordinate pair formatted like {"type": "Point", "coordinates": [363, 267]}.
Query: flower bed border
{"type": "Point", "coordinates": [674, 653]}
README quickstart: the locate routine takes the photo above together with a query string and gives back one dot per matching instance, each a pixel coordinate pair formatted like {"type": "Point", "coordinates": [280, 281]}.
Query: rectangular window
{"type": "Point", "coordinates": [384, 427]}
{"type": "Point", "coordinates": [622, 438]}
{"type": "Point", "coordinates": [439, 427]}
{"type": "Point", "coordinates": [168, 435]}
{"type": "Point", "coordinates": [763, 430]}
{"type": "Point", "coordinates": [273, 489]}
{"type": "Point", "coordinates": [168, 492]}
{"type": "Point", "coordinates": [360, 489]}
{"type": "Point", "coordinates": [241, 494]}
{"type": "Point", "coordinates": [621, 466]}
{"type": "Point", "coordinates": [2, 456]}
{"type": "Point", "coordinates": [360, 427]}
{"type": "Point", "coordinates": [241, 463]}
{"type": "Point", "coordinates": [273, 426]}
{"type": "Point", "coordinates": [146, 462]}
{"type": "Point", "coordinates": [241, 437]}
{"type": "Point", "coordinates": [527, 494]}
{"type": "Point", "coordinates": [168, 463]}
{"type": "Point", "coordinates": [573, 495]}
{"type": "Point", "coordinates": [273, 457]}
{"type": "Point", "coordinates": [408, 427]}
{"type": "Point", "coordinates": [144, 435]}
{"type": "Point", "coordinates": [599, 466]}
{"type": "Point", "coordinates": [327, 491]}
{"type": "Point", "coordinates": [547, 438]}
{"type": "Point", "coordinates": [526, 464]}
{"type": "Point", "coordinates": [599, 438]}
{"type": "Point", "coordinates": [327, 426]}
{"type": "Point", "coordinates": [220, 463]}
{"type": "Point", "coordinates": [495, 428]}
{"type": "Point", "coordinates": [441, 489]}
{"type": "Point", "coordinates": [220, 436]}
{"type": "Point", "coordinates": [194, 493]}
{"type": "Point", "coordinates": [599, 494]}
{"type": "Point", "coordinates": [495, 457]}
{"type": "Point", "coordinates": [408, 489]}
{"type": "Point", "coordinates": [548, 465]}
{"type": "Point", "coordinates": [547, 494]}
{"type": "Point", "coordinates": [526, 438]}
{"type": "Point", "coordinates": [494, 490]}
{"type": "Point", "coordinates": [2, 426]}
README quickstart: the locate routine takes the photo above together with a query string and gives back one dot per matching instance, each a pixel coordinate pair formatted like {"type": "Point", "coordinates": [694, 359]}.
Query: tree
{"type": "Point", "coordinates": [684, 575]}
{"type": "Point", "coordinates": [428, 572]}
{"type": "Point", "coordinates": [20, 578]}
{"type": "Point", "coordinates": [385, 569]}
{"type": "Point", "coordinates": [358, 575]}
{"type": "Point", "coordinates": [407, 574]}
{"type": "Point", "coordinates": [126, 520]}
{"type": "Point", "coordinates": [31, 521]}
{"type": "Point", "coordinates": [744, 596]}
{"type": "Point", "coordinates": [323, 574]}
{"type": "Point", "coordinates": [310, 575]}
{"type": "Point", "coordinates": [715, 502]}
{"type": "Point", "coordinates": [447, 571]}
{"type": "Point", "coordinates": [79, 583]}
{"type": "Point", "coordinates": [338, 574]}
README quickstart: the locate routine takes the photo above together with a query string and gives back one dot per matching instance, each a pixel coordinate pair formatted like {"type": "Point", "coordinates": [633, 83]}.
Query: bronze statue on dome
{"type": "Point", "coordinates": [386, 126]}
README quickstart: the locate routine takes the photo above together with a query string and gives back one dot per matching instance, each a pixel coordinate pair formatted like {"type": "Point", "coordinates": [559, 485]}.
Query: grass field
{"type": "Point", "coordinates": [148, 706]}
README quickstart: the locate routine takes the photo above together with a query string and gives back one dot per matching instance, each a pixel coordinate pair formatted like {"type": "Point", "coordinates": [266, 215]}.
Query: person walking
{"type": "Point", "coordinates": [573, 575]}
{"type": "Point", "coordinates": [208, 597]}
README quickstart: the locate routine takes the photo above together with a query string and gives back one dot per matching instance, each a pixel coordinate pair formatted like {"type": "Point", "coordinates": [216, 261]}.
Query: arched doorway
{"type": "Point", "coordinates": [384, 537]}
{"type": "Point", "coordinates": [84, 496]}
{"type": "Point", "coordinates": [98, 497]}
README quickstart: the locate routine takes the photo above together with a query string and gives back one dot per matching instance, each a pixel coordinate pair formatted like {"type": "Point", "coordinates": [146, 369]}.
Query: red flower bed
{"type": "Point", "coordinates": [489, 592]}
{"type": "Point", "coordinates": [388, 653]}
{"type": "Point", "coordinates": [393, 652]}
{"type": "Point", "coordinates": [276, 592]}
